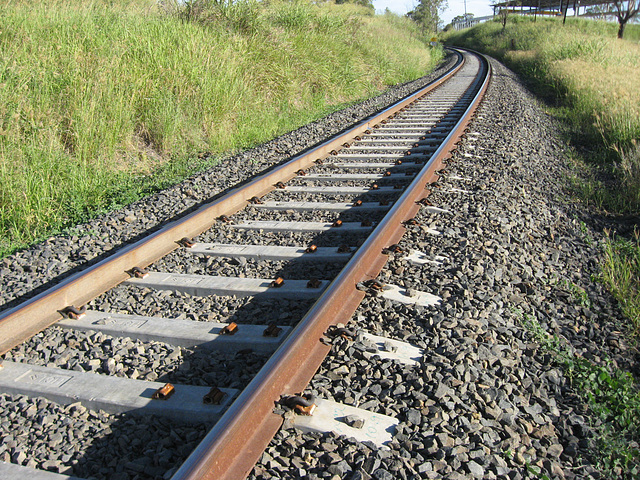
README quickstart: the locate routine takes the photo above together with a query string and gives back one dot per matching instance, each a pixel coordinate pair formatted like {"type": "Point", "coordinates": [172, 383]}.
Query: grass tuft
{"type": "Point", "coordinates": [612, 397]}
{"type": "Point", "coordinates": [621, 274]}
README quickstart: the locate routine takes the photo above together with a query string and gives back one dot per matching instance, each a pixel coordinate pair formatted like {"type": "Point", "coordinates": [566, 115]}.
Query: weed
{"type": "Point", "coordinates": [536, 471]}
{"type": "Point", "coordinates": [578, 294]}
{"type": "Point", "coordinates": [586, 233]}
{"type": "Point", "coordinates": [612, 396]}
{"type": "Point", "coordinates": [629, 169]}
{"type": "Point", "coordinates": [80, 231]}
{"type": "Point", "coordinates": [548, 342]}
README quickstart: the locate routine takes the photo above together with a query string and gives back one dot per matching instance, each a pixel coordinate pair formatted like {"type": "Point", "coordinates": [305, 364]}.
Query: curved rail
{"type": "Point", "coordinates": [235, 443]}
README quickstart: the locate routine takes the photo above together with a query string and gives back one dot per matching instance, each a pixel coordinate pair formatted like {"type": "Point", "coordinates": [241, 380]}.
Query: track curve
{"type": "Point", "coordinates": [417, 133]}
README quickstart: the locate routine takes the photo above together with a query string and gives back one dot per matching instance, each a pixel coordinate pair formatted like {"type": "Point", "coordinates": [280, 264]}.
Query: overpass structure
{"type": "Point", "coordinates": [582, 8]}
{"type": "Point", "coordinates": [602, 9]}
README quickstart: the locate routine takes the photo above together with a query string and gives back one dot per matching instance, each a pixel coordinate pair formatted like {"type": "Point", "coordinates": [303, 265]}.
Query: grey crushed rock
{"type": "Point", "coordinates": [73, 440]}
{"type": "Point", "coordinates": [486, 402]}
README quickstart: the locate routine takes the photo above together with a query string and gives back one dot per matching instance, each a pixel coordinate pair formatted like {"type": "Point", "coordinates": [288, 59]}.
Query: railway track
{"type": "Point", "coordinates": [307, 240]}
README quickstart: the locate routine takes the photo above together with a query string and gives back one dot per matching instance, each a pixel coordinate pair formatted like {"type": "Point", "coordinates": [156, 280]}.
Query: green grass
{"type": "Point", "coordinates": [104, 101]}
{"type": "Point", "coordinates": [613, 398]}
{"type": "Point", "coordinates": [621, 273]}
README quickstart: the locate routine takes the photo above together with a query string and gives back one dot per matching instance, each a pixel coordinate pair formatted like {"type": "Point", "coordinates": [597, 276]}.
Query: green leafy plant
{"type": "Point", "coordinates": [612, 396]}
{"type": "Point", "coordinates": [578, 294]}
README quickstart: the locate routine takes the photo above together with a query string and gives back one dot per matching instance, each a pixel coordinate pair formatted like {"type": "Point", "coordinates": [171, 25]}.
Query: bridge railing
{"type": "Point", "coordinates": [469, 22]}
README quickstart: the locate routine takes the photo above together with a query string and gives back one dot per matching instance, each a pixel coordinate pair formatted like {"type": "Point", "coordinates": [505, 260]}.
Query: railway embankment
{"type": "Point", "coordinates": [585, 76]}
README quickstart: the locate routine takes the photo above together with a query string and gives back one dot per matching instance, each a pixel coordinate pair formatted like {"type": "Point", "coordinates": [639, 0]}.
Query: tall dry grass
{"type": "Point", "coordinates": [590, 75]}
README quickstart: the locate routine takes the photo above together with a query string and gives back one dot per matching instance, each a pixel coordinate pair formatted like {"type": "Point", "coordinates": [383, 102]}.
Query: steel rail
{"type": "Point", "coordinates": [233, 446]}
{"type": "Point", "coordinates": [25, 320]}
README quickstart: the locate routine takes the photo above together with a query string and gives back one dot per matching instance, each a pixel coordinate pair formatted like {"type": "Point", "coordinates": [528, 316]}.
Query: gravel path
{"type": "Point", "coordinates": [487, 402]}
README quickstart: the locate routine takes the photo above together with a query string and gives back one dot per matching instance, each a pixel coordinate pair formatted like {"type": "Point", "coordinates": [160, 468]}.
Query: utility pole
{"type": "Point", "coordinates": [465, 9]}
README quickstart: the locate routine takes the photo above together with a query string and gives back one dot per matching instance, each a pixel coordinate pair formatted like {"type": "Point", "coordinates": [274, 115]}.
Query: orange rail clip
{"type": "Point", "coordinates": [230, 329]}
{"type": "Point", "coordinates": [163, 393]}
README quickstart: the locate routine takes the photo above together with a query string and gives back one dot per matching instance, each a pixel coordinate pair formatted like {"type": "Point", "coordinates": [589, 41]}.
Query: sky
{"type": "Point", "coordinates": [479, 8]}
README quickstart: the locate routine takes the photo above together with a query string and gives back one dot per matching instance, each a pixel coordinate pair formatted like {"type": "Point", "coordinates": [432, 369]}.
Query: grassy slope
{"type": "Point", "coordinates": [592, 77]}
{"type": "Point", "coordinates": [104, 100]}
{"type": "Point", "coordinates": [582, 65]}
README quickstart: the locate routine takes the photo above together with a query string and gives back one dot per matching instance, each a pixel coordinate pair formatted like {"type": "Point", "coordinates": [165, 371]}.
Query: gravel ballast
{"type": "Point", "coordinates": [486, 402]}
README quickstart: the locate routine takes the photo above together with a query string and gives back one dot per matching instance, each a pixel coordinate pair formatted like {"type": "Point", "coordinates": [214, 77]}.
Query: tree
{"type": "Point", "coordinates": [427, 14]}
{"type": "Point", "coordinates": [364, 3]}
{"type": "Point", "coordinates": [503, 12]}
{"type": "Point", "coordinates": [462, 18]}
{"type": "Point", "coordinates": [625, 11]}
{"type": "Point", "coordinates": [504, 15]}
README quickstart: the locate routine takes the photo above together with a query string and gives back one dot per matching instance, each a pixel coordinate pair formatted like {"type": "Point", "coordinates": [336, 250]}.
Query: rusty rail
{"type": "Point", "coordinates": [233, 446]}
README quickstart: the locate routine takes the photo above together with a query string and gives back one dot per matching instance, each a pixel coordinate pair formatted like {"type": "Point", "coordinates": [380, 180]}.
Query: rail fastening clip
{"type": "Point", "coordinates": [163, 393]}
{"type": "Point", "coordinates": [214, 397]}
{"type": "Point", "coordinates": [73, 312]}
